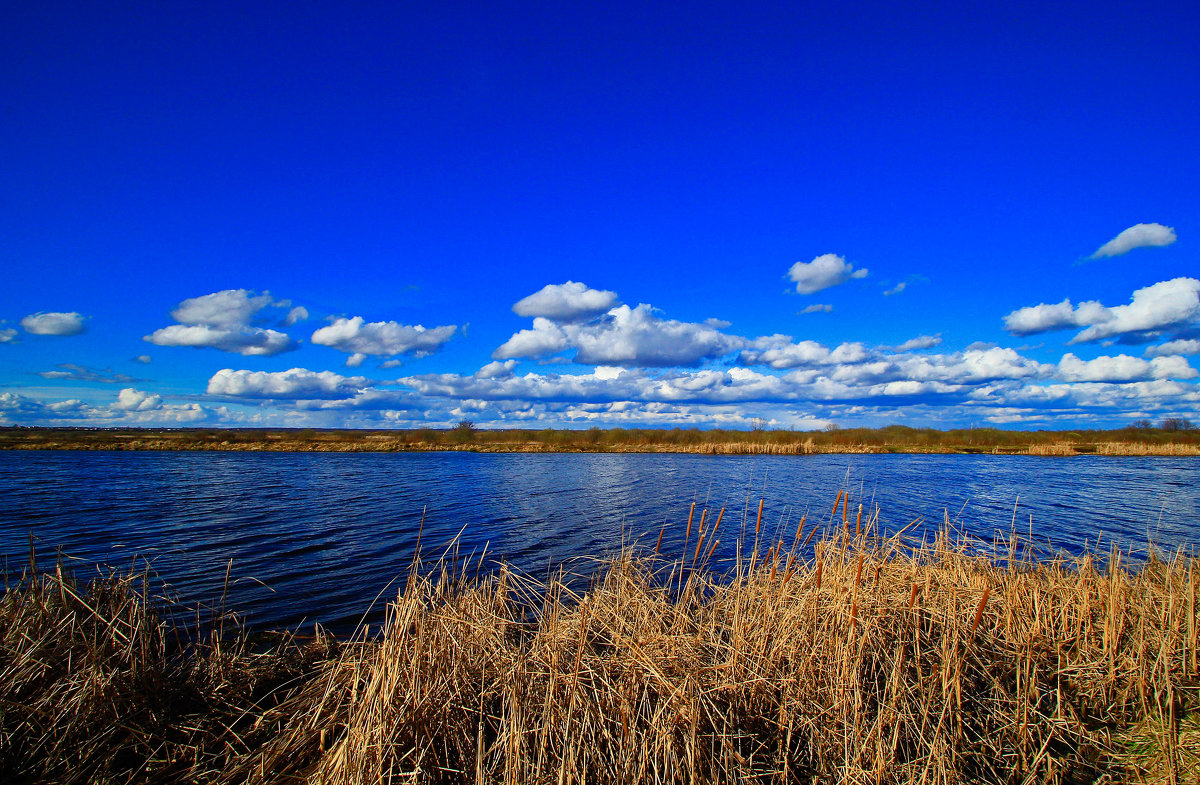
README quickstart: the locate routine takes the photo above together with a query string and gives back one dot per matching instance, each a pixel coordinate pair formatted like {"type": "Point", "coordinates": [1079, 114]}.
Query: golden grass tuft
{"type": "Point", "coordinates": [863, 660]}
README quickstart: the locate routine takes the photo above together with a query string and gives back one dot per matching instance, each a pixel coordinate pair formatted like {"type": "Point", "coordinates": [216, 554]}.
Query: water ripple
{"type": "Point", "coordinates": [315, 537]}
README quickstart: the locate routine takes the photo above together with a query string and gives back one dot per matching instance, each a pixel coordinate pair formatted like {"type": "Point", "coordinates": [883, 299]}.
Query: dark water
{"type": "Point", "coordinates": [314, 537]}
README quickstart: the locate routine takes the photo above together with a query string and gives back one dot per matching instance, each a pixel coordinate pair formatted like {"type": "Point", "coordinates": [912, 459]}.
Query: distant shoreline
{"type": "Point", "coordinates": [893, 440]}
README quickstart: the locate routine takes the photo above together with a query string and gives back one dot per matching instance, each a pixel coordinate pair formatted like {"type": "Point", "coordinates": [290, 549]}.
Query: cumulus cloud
{"type": "Point", "coordinates": [856, 365]}
{"type": "Point", "coordinates": [1153, 309]}
{"type": "Point", "coordinates": [132, 400]}
{"type": "Point", "coordinates": [1136, 236]}
{"type": "Point", "coordinates": [566, 302]}
{"type": "Point", "coordinates": [544, 338]}
{"type": "Point", "coordinates": [846, 374]}
{"type": "Point", "coordinates": [295, 383]}
{"type": "Point", "coordinates": [496, 370]}
{"type": "Point", "coordinates": [54, 323]}
{"type": "Point", "coordinates": [823, 272]}
{"type": "Point", "coordinates": [636, 336]}
{"type": "Point", "coordinates": [132, 407]}
{"type": "Point", "coordinates": [920, 342]}
{"type": "Point", "coordinates": [897, 289]}
{"type": "Point", "coordinates": [1179, 346]}
{"type": "Point", "coordinates": [624, 336]}
{"type": "Point", "coordinates": [781, 353]}
{"type": "Point", "coordinates": [1044, 317]}
{"type": "Point", "coordinates": [1123, 368]}
{"type": "Point", "coordinates": [1166, 304]}
{"type": "Point", "coordinates": [16, 408]}
{"type": "Point", "coordinates": [223, 320]}
{"type": "Point", "coordinates": [8, 335]}
{"type": "Point", "coordinates": [82, 373]}
{"type": "Point", "coordinates": [360, 338]}
{"type": "Point", "coordinates": [227, 308]}
{"type": "Point", "coordinates": [144, 359]}
{"type": "Point", "coordinates": [816, 308]}
{"type": "Point", "coordinates": [1093, 397]}
{"type": "Point", "coordinates": [297, 314]}
{"type": "Point", "coordinates": [243, 340]}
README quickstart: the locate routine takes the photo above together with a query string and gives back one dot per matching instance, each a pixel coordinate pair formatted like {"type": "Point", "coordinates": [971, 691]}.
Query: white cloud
{"type": "Point", "coordinates": [545, 338]}
{"type": "Point", "coordinates": [243, 340]}
{"type": "Point", "coordinates": [1123, 368]}
{"type": "Point", "coordinates": [911, 377]}
{"type": "Point", "coordinates": [382, 339]}
{"type": "Point", "coordinates": [853, 352]}
{"type": "Point", "coordinates": [566, 302]}
{"type": "Point", "coordinates": [144, 359]}
{"type": "Point", "coordinates": [496, 370]}
{"type": "Point", "coordinates": [897, 289]}
{"type": "Point", "coordinates": [54, 323]}
{"type": "Point", "coordinates": [823, 272]}
{"type": "Point", "coordinates": [227, 308]}
{"type": "Point", "coordinates": [1046, 317]}
{"type": "Point", "coordinates": [8, 335]}
{"type": "Point", "coordinates": [131, 400]}
{"type": "Point", "coordinates": [1136, 236]}
{"type": "Point", "coordinates": [780, 353]}
{"type": "Point", "coordinates": [816, 308]}
{"type": "Point", "coordinates": [624, 336]}
{"type": "Point", "coordinates": [635, 336]}
{"type": "Point", "coordinates": [1180, 346]}
{"type": "Point", "coordinates": [1138, 396]}
{"type": "Point", "coordinates": [1164, 305]}
{"type": "Point", "coordinates": [132, 407]}
{"type": "Point", "coordinates": [291, 384]}
{"type": "Point", "coordinates": [920, 342]}
{"type": "Point", "coordinates": [222, 320]}
{"type": "Point", "coordinates": [972, 366]}
{"type": "Point", "coordinates": [297, 314]}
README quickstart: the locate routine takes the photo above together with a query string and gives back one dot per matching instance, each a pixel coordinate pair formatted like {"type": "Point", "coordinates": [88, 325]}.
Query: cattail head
{"type": "Point", "coordinates": [979, 611]}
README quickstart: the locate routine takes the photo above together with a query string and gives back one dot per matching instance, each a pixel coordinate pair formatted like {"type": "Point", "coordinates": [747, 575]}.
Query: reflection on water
{"type": "Point", "coordinates": [316, 536]}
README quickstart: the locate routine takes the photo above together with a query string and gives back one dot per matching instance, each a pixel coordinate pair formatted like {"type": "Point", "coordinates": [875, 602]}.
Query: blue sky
{"type": "Point", "coordinates": [610, 214]}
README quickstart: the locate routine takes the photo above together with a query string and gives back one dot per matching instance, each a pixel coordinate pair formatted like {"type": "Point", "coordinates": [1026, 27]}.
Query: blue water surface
{"type": "Point", "coordinates": [316, 536]}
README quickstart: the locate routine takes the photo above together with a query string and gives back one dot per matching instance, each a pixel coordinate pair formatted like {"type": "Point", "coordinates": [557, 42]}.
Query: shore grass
{"type": "Point", "coordinates": [892, 439]}
{"type": "Point", "coordinates": [830, 655]}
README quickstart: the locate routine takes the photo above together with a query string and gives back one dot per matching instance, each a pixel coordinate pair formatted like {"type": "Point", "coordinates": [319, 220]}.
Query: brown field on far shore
{"type": "Point", "coordinates": [466, 437]}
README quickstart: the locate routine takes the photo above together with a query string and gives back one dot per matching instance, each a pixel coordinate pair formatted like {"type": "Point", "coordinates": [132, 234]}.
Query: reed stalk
{"type": "Point", "coordinates": [874, 660]}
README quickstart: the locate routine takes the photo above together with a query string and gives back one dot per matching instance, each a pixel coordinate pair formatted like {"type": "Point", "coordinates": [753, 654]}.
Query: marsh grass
{"type": "Point", "coordinates": [862, 658]}
{"type": "Point", "coordinates": [891, 439]}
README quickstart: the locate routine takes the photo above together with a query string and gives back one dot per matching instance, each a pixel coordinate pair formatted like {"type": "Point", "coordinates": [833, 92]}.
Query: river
{"type": "Point", "coordinates": [316, 536]}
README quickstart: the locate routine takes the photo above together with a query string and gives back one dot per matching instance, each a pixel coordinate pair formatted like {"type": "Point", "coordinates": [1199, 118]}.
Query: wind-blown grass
{"type": "Point", "coordinates": [857, 659]}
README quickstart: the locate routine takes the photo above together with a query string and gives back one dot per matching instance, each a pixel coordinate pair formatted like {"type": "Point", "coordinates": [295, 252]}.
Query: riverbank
{"type": "Point", "coordinates": [895, 439]}
{"type": "Point", "coordinates": [867, 661]}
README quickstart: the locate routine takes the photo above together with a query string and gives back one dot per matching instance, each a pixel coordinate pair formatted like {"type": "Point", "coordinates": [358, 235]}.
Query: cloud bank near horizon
{"type": "Point", "coordinates": [625, 364]}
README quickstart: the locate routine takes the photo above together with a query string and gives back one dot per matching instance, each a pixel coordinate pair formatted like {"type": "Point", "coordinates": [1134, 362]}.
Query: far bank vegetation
{"type": "Point", "coordinates": [1171, 437]}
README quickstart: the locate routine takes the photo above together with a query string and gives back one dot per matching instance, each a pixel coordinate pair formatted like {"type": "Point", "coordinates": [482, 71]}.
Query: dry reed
{"type": "Point", "coordinates": [860, 660]}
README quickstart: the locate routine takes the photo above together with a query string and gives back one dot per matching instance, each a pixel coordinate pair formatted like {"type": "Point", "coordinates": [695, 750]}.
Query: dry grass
{"type": "Point", "coordinates": [864, 661]}
{"type": "Point", "coordinates": [891, 439]}
{"type": "Point", "coordinates": [1135, 448]}
{"type": "Point", "coordinates": [1056, 448]}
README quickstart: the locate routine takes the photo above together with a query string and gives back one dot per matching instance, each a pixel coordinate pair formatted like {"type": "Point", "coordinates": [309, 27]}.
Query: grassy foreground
{"type": "Point", "coordinates": [866, 661]}
{"type": "Point", "coordinates": [1142, 440]}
